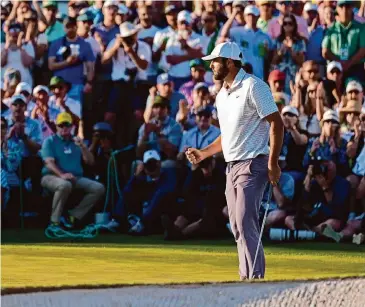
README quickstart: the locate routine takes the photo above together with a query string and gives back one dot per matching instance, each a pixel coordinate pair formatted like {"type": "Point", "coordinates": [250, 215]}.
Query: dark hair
{"type": "Point", "coordinates": [4, 121]}
{"type": "Point", "coordinates": [247, 67]}
{"type": "Point", "coordinates": [237, 63]}
{"type": "Point", "coordinates": [296, 36]}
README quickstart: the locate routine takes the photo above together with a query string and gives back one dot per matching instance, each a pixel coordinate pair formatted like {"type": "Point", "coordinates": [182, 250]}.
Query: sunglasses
{"type": "Point", "coordinates": [285, 23]}
{"type": "Point", "coordinates": [314, 71]}
{"type": "Point", "coordinates": [286, 3]}
{"type": "Point", "coordinates": [208, 20]}
{"type": "Point", "coordinates": [64, 125]}
{"type": "Point", "coordinates": [290, 114]}
{"type": "Point", "coordinates": [332, 121]}
{"type": "Point", "coordinates": [356, 92]}
{"type": "Point", "coordinates": [25, 94]}
{"type": "Point", "coordinates": [335, 71]}
{"type": "Point", "coordinates": [20, 104]}
{"type": "Point", "coordinates": [347, 5]}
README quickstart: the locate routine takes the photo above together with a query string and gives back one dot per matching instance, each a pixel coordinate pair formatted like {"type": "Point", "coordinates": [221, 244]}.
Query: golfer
{"type": "Point", "coordinates": [247, 113]}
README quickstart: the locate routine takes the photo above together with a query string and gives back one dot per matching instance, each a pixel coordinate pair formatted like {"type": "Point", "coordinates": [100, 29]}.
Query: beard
{"type": "Point", "coordinates": [221, 73]}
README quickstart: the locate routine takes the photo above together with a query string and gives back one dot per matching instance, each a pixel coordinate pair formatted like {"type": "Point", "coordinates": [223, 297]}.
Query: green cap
{"type": "Point", "coordinates": [161, 101]}
{"type": "Point", "coordinates": [57, 81]}
{"type": "Point", "coordinates": [87, 16]}
{"type": "Point", "coordinates": [48, 3]}
{"type": "Point", "coordinates": [196, 62]}
{"type": "Point", "coordinates": [342, 2]}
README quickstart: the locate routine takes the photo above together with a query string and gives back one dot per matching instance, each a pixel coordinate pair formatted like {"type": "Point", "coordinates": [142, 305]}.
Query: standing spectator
{"type": "Point", "coordinates": [75, 7]}
{"type": "Point", "coordinates": [17, 54]}
{"type": "Point", "coordinates": [236, 19]}
{"type": "Point", "coordinates": [328, 17]}
{"type": "Point", "coordinates": [289, 50]}
{"type": "Point", "coordinates": [122, 15]}
{"type": "Point", "coordinates": [276, 24]}
{"type": "Point", "coordinates": [344, 42]}
{"type": "Point", "coordinates": [84, 24]}
{"type": "Point", "coordinates": [182, 47]}
{"type": "Point", "coordinates": [63, 173]}
{"type": "Point", "coordinates": [54, 30]}
{"type": "Point", "coordinates": [67, 58]}
{"type": "Point", "coordinates": [266, 8]}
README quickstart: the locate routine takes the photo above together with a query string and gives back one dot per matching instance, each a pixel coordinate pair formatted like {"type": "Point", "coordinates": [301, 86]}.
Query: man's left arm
{"type": "Point", "coordinates": [87, 156]}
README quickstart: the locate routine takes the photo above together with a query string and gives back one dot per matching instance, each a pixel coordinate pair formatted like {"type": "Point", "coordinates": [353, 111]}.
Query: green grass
{"type": "Point", "coordinates": [29, 260]}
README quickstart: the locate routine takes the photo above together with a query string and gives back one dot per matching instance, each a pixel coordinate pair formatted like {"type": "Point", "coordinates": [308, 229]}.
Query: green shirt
{"type": "Point", "coordinates": [343, 41]}
{"type": "Point", "coordinates": [263, 25]}
{"type": "Point", "coordinates": [67, 155]}
{"type": "Point", "coordinates": [55, 31]}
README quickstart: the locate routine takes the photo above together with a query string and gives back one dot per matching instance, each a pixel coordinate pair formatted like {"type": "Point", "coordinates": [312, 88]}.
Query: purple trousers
{"type": "Point", "coordinates": [246, 181]}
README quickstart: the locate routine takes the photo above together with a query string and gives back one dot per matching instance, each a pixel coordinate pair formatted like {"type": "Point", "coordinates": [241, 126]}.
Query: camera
{"type": "Point", "coordinates": [131, 73]}
{"type": "Point", "coordinates": [318, 167]}
{"type": "Point", "coordinates": [151, 166]}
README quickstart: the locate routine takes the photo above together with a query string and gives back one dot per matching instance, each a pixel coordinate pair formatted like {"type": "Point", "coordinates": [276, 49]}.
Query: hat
{"type": "Point", "coordinates": [69, 20]}
{"type": "Point", "coordinates": [351, 106]}
{"type": "Point", "coordinates": [200, 85]}
{"type": "Point", "coordinates": [151, 154]}
{"type": "Point", "coordinates": [228, 50]}
{"type": "Point", "coordinates": [160, 101]}
{"type": "Point", "coordinates": [163, 78]}
{"type": "Point", "coordinates": [354, 85]}
{"type": "Point", "coordinates": [108, 3]}
{"type": "Point", "coordinates": [184, 16]}
{"type": "Point", "coordinates": [55, 80]}
{"type": "Point", "coordinates": [171, 9]}
{"type": "Point", "coordinates": [276, 75]}
{"type": "Point", "coordinates": [39, 88]}
{"type": "Point", "coordinates": [330, 115]}
{"type": "Point", "coordinates": [196, 62]}
{"type": "Point", "coordinates": [342, 2]}
{"type": "Point", "coordinates": [87, 16]}
{"type": "Point", "coordinates": [333, 65]}
{"type": "Point", "coordinates": [263, 2]}
{"type": "Point", "coordinates": [251, 9]}
{"type": "Point", "coordinates": [291, 110]}
{"type": "Point", "coordinates": [239, 3]}
{"type": "Point", "coordinates": [23, 87]}
{"type": "Point", "coordinates": [49, 4]}
{"type": "Point", "coordinates": [102, 126]}
{"type": "Point", "coordinates": [122, 9]}
{"type": "Point", "coordinates": [128, 29]}
{"type": "Point", "coordinates": [309, 6]}
{"type": "Point", "coordinates": [279, 98]}
{"type": "Point", "coordinates": [18, 98]}
{"type": "Point", "coordinates": [63, 117]}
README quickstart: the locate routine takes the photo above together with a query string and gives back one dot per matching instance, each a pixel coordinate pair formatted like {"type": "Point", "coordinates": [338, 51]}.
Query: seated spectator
{"type": "Point", "coordinates": [148, 195]}
{"type": "Point", "coordinates": [329, 145]}
{"type": "Point", "coordinates": [289, 50]}
{"type": "Point", "coordinates": [43, 113]}
{"type": "Point", "coordinates": [349, 115]}
{"type": "Point", "coordinates": [17, 54]}
{"type": "Point", "coordinates": [197, 69]}
{"type": "Point", "coordinates": [276, 81]}
{"type": "Point", "coordinates": [63, 173]}
{"type": "Point", "coordinates": [266, 10]}
{"type": "Point", "coordinates": [354, 91]}
{"type": "Point", "coordinates": [201, 212]}
{"type": "Point", "coordinates": [165, 89]}
{"type": "Point", "coordinates": [333, 84]}
{"type": "Point", "coordinates": [182, 47]}
{"type": "Point", "coordinates": [69, 56]}
{"type": "Point", "coordinates": [26, 90]}
{"type": "Point", "coordinates": [162, 133]}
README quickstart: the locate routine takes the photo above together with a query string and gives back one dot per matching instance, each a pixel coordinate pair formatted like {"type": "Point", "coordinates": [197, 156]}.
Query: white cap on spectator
{"type": "Point", "coordinates": [251, 9]}
{"type": "Point", "coordinates": [200, 85]}
{"type": "Point", "coordinates": [229, 50]}
{"type": "Point", "coordinates": [354, 85]}
{"type": "Point", "coordinates": [333, 65]}
{"type": "Point", "coordinates": [128, 29]}
{"type": "Point", "coordinates": [151, 154]}
{"type": "Point", "coordinates": [122, 9]}
{"type": "Point", "coordinates": [108, 3]}
{"type": "Point", "coordinates": [184, 16]}
{"type": "Point", "coordinates": [163, 78]}
{"type": "Point", "coordinates": [291, 110]}
{"type": "Point", "coordinates": [225, 2]}
{"type": "Point", "coordinates": [5, 3]}
{"type": "Point", "coordinates": [239, 3]}
{"type": "Point", "coordinates": [39, 88]}
{"type": "Point", "coordinates": [310, 7]}
{"type": "Point", "coordinates": [23, 87]}
{"type": "Point", "coordinates": [330, 115]}
{"type": "Point", "coordinates": [18, 97]}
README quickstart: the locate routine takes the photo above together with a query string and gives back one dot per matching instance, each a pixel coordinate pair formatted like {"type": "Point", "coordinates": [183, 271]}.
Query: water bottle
{"type": "Point", "coordinates": [277, 234]}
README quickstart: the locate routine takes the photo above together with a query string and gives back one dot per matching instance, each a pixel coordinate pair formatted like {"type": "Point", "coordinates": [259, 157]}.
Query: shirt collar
{"type": "Point", "coordinates": [237, 83]}
{"type": "Point", "coordinates": [341, 26]}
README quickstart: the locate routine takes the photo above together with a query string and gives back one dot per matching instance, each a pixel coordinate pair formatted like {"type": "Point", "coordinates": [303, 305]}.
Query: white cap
{"type": "Point", "coordinates": [108, 3]}
{"type": "Point", "coordinates": [330, 115]}
{"type": "Point", "coordinates": [18, 97]}
{"type": "Point", "coordinates": [151, 154]}
{"type": "Point", "coordinates": [128, 29]}
{"type": "Point", "coordinates": [229, 50]}
{"type": "Point", "coordinates": [122, 9]}
{"type": "Point", "coordinates": [163, 78]}
{"type": "Point", "coordinates": [310, 7]}
{"type": "Point", "coordinates": [333, 65]}
{"type": "Point", "coordinates": [39, 88]}
{"type": "Point", "coordinates": [23, 87]}
{"type": "Point", "coordinates": [251, 9]}
{"type": "Point", "coordinates": [200, 85]}
{"type": "Point", "coordinates": [239, 3]}
{"type": "Point", "coordinates": [225, 2]}
{"type": "Point", "coordinates": [354, 85]}
{"type": "Point", "coordinates": [291, 110]}
{"type": "Point", "coordinates": [184, 16]}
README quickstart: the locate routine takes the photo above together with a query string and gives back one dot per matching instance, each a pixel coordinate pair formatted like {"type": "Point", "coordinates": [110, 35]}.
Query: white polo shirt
{"type": "Point", "coordinates": [241, 112]}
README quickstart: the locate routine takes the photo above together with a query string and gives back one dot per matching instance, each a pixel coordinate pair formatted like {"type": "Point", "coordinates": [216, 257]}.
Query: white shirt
{"type": "Point", "coordinates": [121, 61]}
{"type": "Point", "coordinates": [241, 112]}
{"type": "Point", "coordinates": [74, 105]}
{"type": "Point", "coordinates": [14, 61]}
{"type": "Point", "coordinates": [173, 47]}
{"type": "Point", "coordinates": [95, 47]}
{"type": "Point", "coordinates": [149, 33]}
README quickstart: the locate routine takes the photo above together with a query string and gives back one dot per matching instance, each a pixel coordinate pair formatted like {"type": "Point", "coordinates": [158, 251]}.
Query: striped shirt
{"type": "Point", "coordinates": [241, 112]}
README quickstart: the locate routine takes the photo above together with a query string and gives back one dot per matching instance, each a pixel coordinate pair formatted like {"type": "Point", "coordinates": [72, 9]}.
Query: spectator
{"type": "Point", "coordinates": [266, 8]}
{"type": "Point", "coordinates": [122, 14]}
{"type": "Point", "coordinates": [276, 81]}
{"type": "Point", "coordinates": [26, 90]}
{"type": "Point", "coordinates": [275, 25]}
{"type": "Point", "coordinates": [96, 10]}
{"type": "Point", "coordinates": [344, 43]}
{"type": "Point", "coordinates": [328, 17]}
{"type": "Point", "coordinates": [63, 173]}
{"type": "Point", "coordinates": [354, 91]}
{"type": "Point", "coordinates": [333, 84]}
{"type": "Point", "coordinates": [17, 54]}
{"type": "Point", "coordinates": [201, 213]}
{"type": "Point", "coordinates": [197, 70]}
{"type": "Point", "coordinates": [54, 30]}
{"type": "Point", "coordinates": [165, 89]}
{"type": "Point", "coordinates": [227, 7]}
{"type": "Point", "coordinates": [42, 113]}
{"type": "Point", "coordinates": [75, 7]}
{"type": "Point", "coordinates": [289, 50]}
{"type": "Point", "coordinates": [182, 47]}
{"type": "Point", "coordinates": [149, 194]}
{"type": "Point", "coordinates": [349, 115]}
{"type": "Point", "coordinates": [84, 24]}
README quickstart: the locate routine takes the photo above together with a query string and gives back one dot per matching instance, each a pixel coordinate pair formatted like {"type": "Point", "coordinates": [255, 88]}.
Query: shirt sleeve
{"type": "Point", "coordinates": [262, 98]}
{"type": "Point", "coordinates": [326, 42]}
{"type": "Point", "coordinates": [88, 53]}
{"type": "Point", "coordinates": [175, 135]}
{"type": "Point", "coordinates": [54, 48]}
{"type": "Point", "coordinates": [47, 149]}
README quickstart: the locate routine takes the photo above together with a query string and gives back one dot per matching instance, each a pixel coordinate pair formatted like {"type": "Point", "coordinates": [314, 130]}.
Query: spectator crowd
{"type": "Point", "coordinates": [104, 101]}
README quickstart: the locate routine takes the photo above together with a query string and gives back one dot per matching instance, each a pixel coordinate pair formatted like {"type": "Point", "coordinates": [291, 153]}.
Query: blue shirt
{"type": "Point", "coordinates": [194, 138]}
{"type": "Point", "coordinates": [75, 73]}
{"type": "Point", "coordinates": [314, 46]}
{"type": "Point", "coordinates": [66, 153]}
{"type": "Point", "coordinates": [174, 103]}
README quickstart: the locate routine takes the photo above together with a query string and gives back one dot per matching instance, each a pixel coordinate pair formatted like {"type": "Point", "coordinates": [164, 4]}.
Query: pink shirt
{"type": "Point", "coordinates": [274, 27]}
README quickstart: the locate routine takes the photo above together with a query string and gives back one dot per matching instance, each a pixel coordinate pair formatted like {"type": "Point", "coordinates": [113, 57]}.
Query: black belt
{"type": "Point", "coordinates": [231, 163]}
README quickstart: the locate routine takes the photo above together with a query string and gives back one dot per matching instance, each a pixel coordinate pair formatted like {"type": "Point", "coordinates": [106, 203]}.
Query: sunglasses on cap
{"type": "Point", "coordinates": [64, 125]}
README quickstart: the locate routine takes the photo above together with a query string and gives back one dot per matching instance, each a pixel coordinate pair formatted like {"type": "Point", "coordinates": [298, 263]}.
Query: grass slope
{"type": "Point", "coordinates": [120, 259]}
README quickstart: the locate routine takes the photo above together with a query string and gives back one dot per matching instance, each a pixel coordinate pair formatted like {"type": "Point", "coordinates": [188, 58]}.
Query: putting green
{"type": "Point", "coordinates": [119, 259]}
